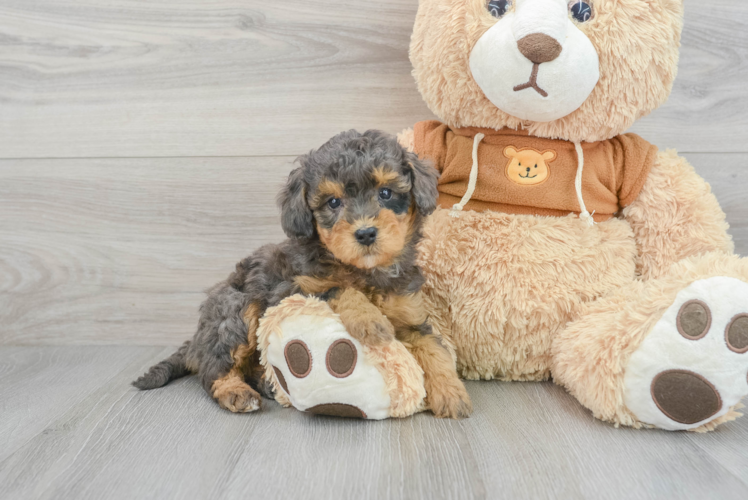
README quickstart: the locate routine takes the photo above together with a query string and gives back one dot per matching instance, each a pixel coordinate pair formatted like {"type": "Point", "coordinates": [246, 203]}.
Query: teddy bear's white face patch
{"type": "Point", "coordinates": [534, 63]}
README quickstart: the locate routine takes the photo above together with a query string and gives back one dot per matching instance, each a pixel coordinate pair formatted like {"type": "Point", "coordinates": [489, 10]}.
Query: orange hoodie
{"type": "Point", "coordinates": [521, 174]}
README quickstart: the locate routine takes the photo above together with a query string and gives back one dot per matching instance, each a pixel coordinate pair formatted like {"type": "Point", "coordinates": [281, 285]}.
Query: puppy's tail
{"type": "Point", "coordinates": [171, 368]}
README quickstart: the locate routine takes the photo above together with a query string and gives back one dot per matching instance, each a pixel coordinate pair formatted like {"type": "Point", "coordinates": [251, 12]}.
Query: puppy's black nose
{"type": "Point", "coordinates": [366, 236]}
{"type": "Point", "coordinates": [528, 169]}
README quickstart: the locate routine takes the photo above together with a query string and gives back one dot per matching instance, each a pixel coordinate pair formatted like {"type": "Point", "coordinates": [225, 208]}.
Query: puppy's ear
{"type": "Point", "coordinates": [296, 216]}
{"type": "Point", "coordinates": [424, 177]}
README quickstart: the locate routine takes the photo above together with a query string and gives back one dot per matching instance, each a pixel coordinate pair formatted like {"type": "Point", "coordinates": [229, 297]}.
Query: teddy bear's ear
{"type": "Point", "coordinates": [424, 178]}
{"type": "Point", "coordinates": [510, 152]}
{"type": "Point", "coordinates": [296, 216]}
{"type": "Point", "coordinates": [549, 155]}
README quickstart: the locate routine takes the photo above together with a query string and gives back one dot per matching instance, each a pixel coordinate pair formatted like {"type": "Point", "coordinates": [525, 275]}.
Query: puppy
{"type": "Point", "coordinates": [353, 212]}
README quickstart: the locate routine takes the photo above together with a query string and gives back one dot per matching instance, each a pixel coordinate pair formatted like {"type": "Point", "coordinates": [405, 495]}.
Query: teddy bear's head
{"type": "Point", "coordinates": [580, 70]}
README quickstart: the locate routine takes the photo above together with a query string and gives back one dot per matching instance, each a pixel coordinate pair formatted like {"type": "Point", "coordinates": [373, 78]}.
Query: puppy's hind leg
{"type": "Point", "coordinates": [232, 391]}
{"type": "Point", "coordinates": [226, 381]}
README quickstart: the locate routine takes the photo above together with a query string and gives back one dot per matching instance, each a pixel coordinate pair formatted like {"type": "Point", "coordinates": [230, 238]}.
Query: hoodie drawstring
{"type": "Point", "coordinates": [583, 213]}
{"type": "Point", "coordinates": [457, 207]}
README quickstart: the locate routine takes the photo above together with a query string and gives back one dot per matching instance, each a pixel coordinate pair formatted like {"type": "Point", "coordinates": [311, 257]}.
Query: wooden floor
{"type": "Point", "coordinates": [141, 147]}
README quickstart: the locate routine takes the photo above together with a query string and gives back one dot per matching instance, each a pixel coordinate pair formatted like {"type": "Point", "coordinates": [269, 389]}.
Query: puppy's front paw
{"type": "Point", "coordinates": [371, 331]}
{"type": "Point", "coordinates": [237, 397]}
{"type": "Point", "coordinates": [448, 398]}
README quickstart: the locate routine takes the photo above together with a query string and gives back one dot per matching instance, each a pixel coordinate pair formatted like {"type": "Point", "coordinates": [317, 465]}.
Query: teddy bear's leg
{"type": "Point", "coordinates": [671, 352]}
{"type": "Point", "coordinates": [665, 351]}
{"type": "Point", "coordinates": [316, 366]}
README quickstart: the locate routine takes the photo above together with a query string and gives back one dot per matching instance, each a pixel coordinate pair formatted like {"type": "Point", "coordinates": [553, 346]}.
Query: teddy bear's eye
{"type": "Point", "coordinates": [498, 8]}
{"type": "Point", "coordinates": [581, 11]}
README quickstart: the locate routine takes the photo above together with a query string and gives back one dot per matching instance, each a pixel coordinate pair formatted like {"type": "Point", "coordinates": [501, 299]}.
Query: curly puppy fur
{"type": "Point", "coordinates": [353, 212]}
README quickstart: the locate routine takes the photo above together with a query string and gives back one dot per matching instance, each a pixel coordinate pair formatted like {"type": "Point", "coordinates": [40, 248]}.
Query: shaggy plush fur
{"type": "Point", "coordinates": [507, 284]}
{"type": "Point", "coordinates": [637, 45]}
{"type": "Point", "coordinates": [353, 212]}
{"type": "Point", "coordinates": [590, 355]}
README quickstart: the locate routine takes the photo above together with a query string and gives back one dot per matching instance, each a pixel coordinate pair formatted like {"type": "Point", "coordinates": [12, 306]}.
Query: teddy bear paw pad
{"type": "Point", "coordinates": [693, 366]}
{"type": "Point", "coordinates": [323, 370]}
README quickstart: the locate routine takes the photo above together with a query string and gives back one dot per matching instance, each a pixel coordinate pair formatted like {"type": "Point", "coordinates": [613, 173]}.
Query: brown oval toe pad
{"type": "Point", "coordinates": [736, 334]}
{"type": "Point", "coordinates": [337, 410]}
{"type": "Point", "coordinates": [341, 358]}
{"type": "Point", "coordinates": [298, 358]}
{"type": "Point", "coordinates": [281, 379]}
{"type": "Point", "coordinates": [694, 319]}
{"type": "Point", "coordinates": [684, 396]}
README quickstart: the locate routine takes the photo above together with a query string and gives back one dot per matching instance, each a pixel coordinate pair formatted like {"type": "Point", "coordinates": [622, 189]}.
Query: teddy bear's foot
{"type": "Point", "coordinates": [693, 366]}
{"type": "Point", "coordinates": [669, 352]}
{"type": "Point", "coordinates": [317, 367]}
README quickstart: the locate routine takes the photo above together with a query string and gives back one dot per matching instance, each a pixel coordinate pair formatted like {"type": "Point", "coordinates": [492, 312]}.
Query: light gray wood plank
{"type": "Point", "coordinates": [177, 443]}
{"type": "Point", "coordinates": [197, 78]}
{"type": "Point", "coordinates": [39, 385]}
{"type": "Point", "coordinates": [231, 78]}
{"type": "Point", "coordinates": [119, 251]}
{"type": "Point", "coordinates": [525, 440]}
{"type": "Point", "coordinates": [534, 440]}
{"type": "Point", "coordinates": [707, 109]}
{"type": "Point", "coordinates": [728, 446]}
{"type": "Point", "coordinates": [727, 174]}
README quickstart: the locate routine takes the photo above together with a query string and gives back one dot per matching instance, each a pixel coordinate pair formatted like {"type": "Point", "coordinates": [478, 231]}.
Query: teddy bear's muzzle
{"type": "Point", "coordinates": [535, 63]}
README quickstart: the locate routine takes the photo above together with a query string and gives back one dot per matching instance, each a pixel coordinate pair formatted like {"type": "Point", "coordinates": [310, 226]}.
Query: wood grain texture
{"type": "Point", "coordinates": [120, 251]}
{"type": "Point", "coordinates": [241, 78]}
{"type": "Point", "coordinates": [525, 440]}
{"type": "Point", "coordinates": [107, 251]}
{"type": "Point", "coordinates": [37, 386]}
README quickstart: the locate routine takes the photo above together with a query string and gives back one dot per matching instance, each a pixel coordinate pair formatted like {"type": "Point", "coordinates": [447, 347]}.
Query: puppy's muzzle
{"type": "Point", "coordinates": [366, 236]}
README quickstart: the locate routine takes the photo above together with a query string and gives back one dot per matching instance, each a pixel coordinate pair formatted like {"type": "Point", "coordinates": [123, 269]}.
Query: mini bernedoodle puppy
{"type": "Point", "coordinates": [353, 212]}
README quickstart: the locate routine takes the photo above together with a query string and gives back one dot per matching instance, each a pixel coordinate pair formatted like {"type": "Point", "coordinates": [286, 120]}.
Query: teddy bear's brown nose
{"type": "Point", "coordinates": [539, 48]}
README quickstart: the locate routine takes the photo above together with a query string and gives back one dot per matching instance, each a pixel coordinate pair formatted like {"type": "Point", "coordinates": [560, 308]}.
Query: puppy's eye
{"type": "Point", "coordinates": [580, 11]}
{"type": "Point", "coordinates": [385, 194]}
{"type": "Point", "coordinates": [498, 8]}
{"type": "Point", "coordinates": [333, 203]}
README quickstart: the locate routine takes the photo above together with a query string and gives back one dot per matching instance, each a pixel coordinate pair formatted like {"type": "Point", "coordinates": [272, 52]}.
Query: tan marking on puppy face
{"type": "Point", "coordinates": [389, 178]}
{"type": "Point", "coordinates": [393, 233]}
{"type": "Point", "coordinates": [527, 166]}
{"type": "Point", "coordinates": [327, 189]}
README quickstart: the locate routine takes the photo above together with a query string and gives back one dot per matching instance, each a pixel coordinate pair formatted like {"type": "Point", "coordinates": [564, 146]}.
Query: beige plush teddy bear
{"type": "Point", "coordinates": [565, 247]}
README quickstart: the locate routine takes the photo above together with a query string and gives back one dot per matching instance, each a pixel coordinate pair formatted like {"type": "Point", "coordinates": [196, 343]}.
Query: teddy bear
{"type": "Point", "coordinates": [564, 248]}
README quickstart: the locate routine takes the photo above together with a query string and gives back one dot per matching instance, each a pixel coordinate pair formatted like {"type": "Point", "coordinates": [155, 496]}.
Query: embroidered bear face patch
{"type": "Point", "coordinates": [527, 166]}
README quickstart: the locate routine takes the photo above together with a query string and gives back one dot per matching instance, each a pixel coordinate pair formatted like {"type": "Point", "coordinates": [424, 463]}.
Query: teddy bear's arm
{"type": "Point", "coordinates": [406, 139]}
{"type": "Point", "coordinates": [675, 216]}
